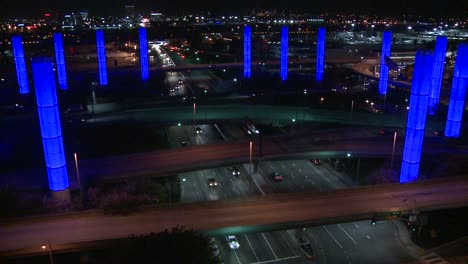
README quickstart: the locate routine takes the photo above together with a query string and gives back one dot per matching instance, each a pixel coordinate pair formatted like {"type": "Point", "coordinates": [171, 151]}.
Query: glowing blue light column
{"type": "Point", "coordinates": [60, 61]}
{"type": "Point", "coordinates": [458, 93]}
{"type": "Point", "coordinates": [386, 46]}
{"type": "Point", "coordinates": [416, 116]}
{"type": "Point", "coordinates": [320, 54]}
{"type": "Point", "coordinates": [46, 97]}
{"type": "Point", "coordinates": [20, 64]}
{"type": "Point", "coordinates": [247, 51]}
{"type": "Point", "coordinates": [101, 52]}
{"type": "Point", "coordinates": [437, 72]}
{"type": "Point", "coordinates": [143, 54]}
{"type": "Point", "coordinates": [284, 53]}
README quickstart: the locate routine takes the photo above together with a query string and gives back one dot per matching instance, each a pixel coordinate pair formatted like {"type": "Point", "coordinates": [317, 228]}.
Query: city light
{"type": "Point", "coordinates": [284, 53]}
{"type": "Point", "coordinates": [247, 51]}
{"type": "Point", "coordinates": [101, 52]}
{"type": "Point", "coordinates": [437, 73]}
{"type": "Point", "coordinates": [20, 64]}
{"type": "Point", "coordinates": [458, 93]}
{"type": "Point", "coordinates": [46, 97]}
{"type": "Point", "coordinates": [416, 117]}
{"type": "Point", "coordinates": [386, 46]}
{"type": "Point", "coordinates": [320, 54]}
{"type": "Point", "coordinates": [143, 54]}
{"type": "Point", "coordinates": [60, 61]}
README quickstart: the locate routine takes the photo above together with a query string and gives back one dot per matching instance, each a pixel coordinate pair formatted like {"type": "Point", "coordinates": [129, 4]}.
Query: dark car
{"type": "Point", "coordinates": [276, 176]}
{"type": "Point", "coordinates": [316, 162]}
{"type": "Point", "coordinates": [212, 182]}
{"type": "Point", "coordinates": [235, 171]}
{"type": "Point", "coordinates": [198, 130]}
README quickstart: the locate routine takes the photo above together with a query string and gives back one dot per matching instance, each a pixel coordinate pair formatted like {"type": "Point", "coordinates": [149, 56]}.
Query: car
{"type": "Point", "coordinates": [276, 176]}
{"type": "Point", "coordinates": [198, 130]}
{"type": "Point", "coordinates": [212, 182]}
{"type": "Point", "coordinates": [317, 162]}
{"type": "Point", "coordinates": [177, 87]}
{"type": "Point", "coordinates": [235, 171]}
{"type": "Point", "coordinates": [180, 81]}
{"type": "Point", "coordinates": [183, 143]}
{"type": "Point", "coordinates": [232, 241]}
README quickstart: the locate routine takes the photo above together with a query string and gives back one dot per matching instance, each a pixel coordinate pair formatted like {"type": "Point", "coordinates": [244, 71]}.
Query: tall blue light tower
{"type": "Point", "coordinates": [437, 72]}
{"type": "Point", "coordinates": [143, 54]}
{"type": "Point", "coordinates": [247, 51]}
{"type": "Point", "coordinates": [101, 52]}
{"type": "Point", "coordinates": [284, 53]}
{"type": "Point", "coordinates": [320, 54]}
{"type": "Point", "coordinates": [20, 63]}
{"type": "Point", "coordinates": [386, 46]}
{"type": "Point", "coordinates": [60, 60]}
{"type": "Point", "coordinates": [458, 93]}
{"type": "Point", "coordinates": [416, 116]}
{"type": "Point", "coordinates": [46, 97]}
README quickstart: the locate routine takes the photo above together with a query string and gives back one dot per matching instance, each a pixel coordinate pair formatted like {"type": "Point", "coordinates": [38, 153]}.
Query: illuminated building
{"type": "Point", "coordinates": [247, 51]}
{"type": "Point", "coordinates": [458, 93]}
{"type": "Point", "coordinates": [437, 72]}
{"type": "Point", "coordinates": [284, 53]}
{"type": "Point", "coordinates": [383, 77]}
{"type": "Point", "coordinates": [416, 116]}
{"type": "Point", "coordinates": [320, 54]}
{"type": "Point", "coordinates": [46, 97]}
{"type": "Point", "coordinates": [143, 55]}
{"type": "Point", "coordinates": [20, 64]}
{"type": "Point", "coordinates": [101, 52]}
{"type": "Point", "coordinates": [60, 61]}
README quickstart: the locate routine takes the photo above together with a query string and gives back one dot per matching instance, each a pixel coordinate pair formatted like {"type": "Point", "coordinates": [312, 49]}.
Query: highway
{"type": "Point", "coordinates": [272, 211]}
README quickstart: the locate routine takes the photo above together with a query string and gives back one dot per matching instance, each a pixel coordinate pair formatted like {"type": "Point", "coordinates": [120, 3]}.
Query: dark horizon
{"type": "Point", "coordinates": [398, 8]}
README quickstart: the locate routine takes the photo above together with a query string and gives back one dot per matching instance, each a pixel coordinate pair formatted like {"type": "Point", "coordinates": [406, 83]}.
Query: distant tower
{"type": "Point", "coordinates": [458, 93]}
{"type": "Point", "coordinates": [247, 51]}
{"type": "Point", "coordinates": [386, 46]}
{"type": "Point", "coordinates": [60, 60]}
{"type": "Point", "coordinates": [46, 97]}
{"type": "Point", "coordinates": [437, 73]}
{"type": "Point", "coordinates": [143, 54]}
{"type": "Point", "coordinates": [416, 117]}
{"type": "Point", "coordinates": [320, 54]}
{"type": "Point", "coordinates": [20, 63]}
{"type": "Point", "coordinates": [101, 52]}
{"type": "Point", "coordinates": [284, 53]}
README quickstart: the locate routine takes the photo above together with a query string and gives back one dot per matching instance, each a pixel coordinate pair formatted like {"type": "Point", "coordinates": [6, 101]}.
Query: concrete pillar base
{"type": "Point", "coordinates": [62, 197]}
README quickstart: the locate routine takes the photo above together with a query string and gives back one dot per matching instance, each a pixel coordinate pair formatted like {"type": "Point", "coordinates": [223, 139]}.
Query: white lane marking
{"type": "Point", "coordinates": [238, 260]}
{"type": "Point", "coordinates": [347, 234]}
{"type": "Point", "coordinates": [356, 226]}
{"type": "Point", "coordinates": [252, 248]}
{"type": "Point", "coordinates": [368, 237]}
{"type": "Point", "coordinates": [336, 241]}
{"type": "Point", "coordinates": [275, 260]}
{"type": "Point", "coordinates": [276, 257]}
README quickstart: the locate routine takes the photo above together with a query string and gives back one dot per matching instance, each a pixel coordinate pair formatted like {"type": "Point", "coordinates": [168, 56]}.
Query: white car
{"type": "Point", "coordinates": [232, 241]}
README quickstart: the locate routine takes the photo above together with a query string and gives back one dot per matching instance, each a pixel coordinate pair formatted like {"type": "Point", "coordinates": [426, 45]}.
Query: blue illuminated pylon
{"type": "Point", "coordinates": [386, 46]}
{"type": "Point", "coordinates": [416, 117]}
{"type": "Point", "coordinates": [60, 60]}
{"type": "Point", "coordinates": [284, 53]}
{"type": "Point", "coordinates": [101, 52]}
{"type": "Point", "coordinates": [320, 54]}
{"type": "Point", "coordinates": [458, 93]}
{"type": "Point", "coordinates": [247, 51]}
{"type": "Point", "coordinates": [46, 97]}
{"type": "Point", "coordinates": [143, 55]}
{"type": "Point", "coordinates": [20, 63]}
{"type": "Point", "coordinates": [437, 72]}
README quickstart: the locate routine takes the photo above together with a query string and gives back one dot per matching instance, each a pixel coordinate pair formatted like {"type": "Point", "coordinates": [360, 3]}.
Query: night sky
{"type": "Point", "coordinates": [395, 7]}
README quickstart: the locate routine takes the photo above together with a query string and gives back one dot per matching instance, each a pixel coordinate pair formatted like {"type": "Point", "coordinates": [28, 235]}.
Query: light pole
{"type": "Point", "coordinates": [78, 176]}
{"type": "Point", "coordinates": [194, 112]}
{"type": "Point", "coordinates": [393, 150]}
{"type": "Point", "coordinates": [49, 247]}
{"type": "Point", "coordinates": [250, 159]}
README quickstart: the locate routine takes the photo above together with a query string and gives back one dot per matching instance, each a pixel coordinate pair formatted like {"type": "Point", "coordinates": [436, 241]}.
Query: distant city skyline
{"type": "Point", "coordinates": [115, 7]}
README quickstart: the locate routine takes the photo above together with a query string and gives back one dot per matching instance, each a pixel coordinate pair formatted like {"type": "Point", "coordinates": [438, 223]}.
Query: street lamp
{"type": "Point", "coordinates": [393, 150]}
{"type": "Point", "coordinates": [250, 159]}
{"type": "Point", "coordinates": [49, 247]}
{"type": "Point", "coordinates": [194, 112]}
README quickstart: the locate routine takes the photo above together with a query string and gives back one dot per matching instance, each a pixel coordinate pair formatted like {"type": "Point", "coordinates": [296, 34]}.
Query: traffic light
{"type": "Point", "coordinates": [373, 221]}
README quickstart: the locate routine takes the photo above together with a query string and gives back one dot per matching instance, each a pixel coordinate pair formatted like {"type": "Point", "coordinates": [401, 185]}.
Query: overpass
{"type": "Point", "coordinates": [72, 231]}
